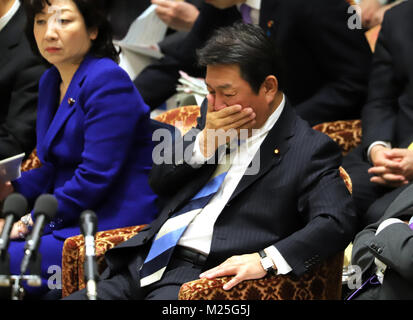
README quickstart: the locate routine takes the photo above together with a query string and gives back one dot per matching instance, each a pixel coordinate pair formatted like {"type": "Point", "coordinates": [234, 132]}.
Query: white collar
{"type": "Point", "coordinates": [272, 119]}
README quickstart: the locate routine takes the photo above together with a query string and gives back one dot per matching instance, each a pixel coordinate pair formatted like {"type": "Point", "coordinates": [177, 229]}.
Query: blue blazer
{"type": "Point", "coordinates": [95, 149]}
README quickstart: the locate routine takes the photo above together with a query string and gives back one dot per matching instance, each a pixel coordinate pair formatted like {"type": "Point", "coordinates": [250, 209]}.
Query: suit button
{"type": "Point", "coordinates": [379, 250]}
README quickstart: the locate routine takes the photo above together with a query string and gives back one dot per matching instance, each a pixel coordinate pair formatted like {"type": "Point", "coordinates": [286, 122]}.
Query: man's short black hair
{"type": "Point", "coordinates": [245, 45]}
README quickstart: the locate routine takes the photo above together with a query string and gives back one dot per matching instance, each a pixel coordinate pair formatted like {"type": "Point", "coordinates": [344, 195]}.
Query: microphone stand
{"type": "Point", "coordinates": [4, 269]}
{"type": "Point", "coordinates": [90, 268]}
{"type": "Point", "coordinates": [33, 279]}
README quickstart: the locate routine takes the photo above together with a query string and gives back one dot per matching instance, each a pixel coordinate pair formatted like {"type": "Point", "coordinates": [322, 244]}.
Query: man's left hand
{"type": "Point", "coordinates": [244, 267]}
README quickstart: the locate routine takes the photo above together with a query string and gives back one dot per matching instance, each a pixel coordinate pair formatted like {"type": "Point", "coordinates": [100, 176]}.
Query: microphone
{"type": "Point", "coordinates": [44, 210]}
{"type": "Point", "coordinates": [15, 207]}
{"type": "Point", "coordinates": [88, 226]}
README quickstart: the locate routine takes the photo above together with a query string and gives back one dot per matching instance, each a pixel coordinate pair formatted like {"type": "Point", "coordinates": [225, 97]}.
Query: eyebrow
{"type": "Point", "coordinates": [54, 11]}
{"type": "Point", "coordinates": [223, 86]}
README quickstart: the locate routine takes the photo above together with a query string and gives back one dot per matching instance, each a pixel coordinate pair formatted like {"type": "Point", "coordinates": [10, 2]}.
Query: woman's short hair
{"type": "Point", "coordinates": [94, 14]}
{"type": "Point", "coordinates": [247, 46]}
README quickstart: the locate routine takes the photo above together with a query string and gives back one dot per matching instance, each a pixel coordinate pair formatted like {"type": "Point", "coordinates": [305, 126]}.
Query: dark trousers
{"type": "Point", "coordinates": [371, 200]}
{"type": "Point", "coordinates": [364, 191]}
{"type": "Point", "coordinates": [125, 285]}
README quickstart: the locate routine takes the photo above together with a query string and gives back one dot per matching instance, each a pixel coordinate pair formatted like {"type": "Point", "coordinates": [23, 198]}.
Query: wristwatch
{"type": "Point", "coordinates": [267, 262]}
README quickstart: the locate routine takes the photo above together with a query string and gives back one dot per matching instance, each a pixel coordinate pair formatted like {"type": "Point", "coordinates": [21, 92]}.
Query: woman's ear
{"type": "Point", "coordinates": [93, 33]}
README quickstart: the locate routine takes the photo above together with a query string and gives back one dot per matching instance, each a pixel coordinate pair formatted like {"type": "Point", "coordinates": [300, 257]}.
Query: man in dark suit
{"type": "Point", "coordinates": [326, 63]}
{"type": "Point", "coordinates": [19, 76]}
{"type": "Point", "coordinates": [282, 194]}
{"type": "Point", "coordinates": [383, 162]}
{"type": "Point", "coordinates": [384, 250]}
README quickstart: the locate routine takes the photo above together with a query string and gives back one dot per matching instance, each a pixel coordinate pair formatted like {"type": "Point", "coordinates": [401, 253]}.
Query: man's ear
{"type": "Point", "coordinates": [270, 87]}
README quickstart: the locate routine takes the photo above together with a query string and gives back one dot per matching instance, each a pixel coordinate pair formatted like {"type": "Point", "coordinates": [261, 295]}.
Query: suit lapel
{"type": "Point", "coordinates": [67, 106]}
{"type": "Point", "coordinates": [271, 152]}
{"type": "Point", "coordinates": [268, 17]}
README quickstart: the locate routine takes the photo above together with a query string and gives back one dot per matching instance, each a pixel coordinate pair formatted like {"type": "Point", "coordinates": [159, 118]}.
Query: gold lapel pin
{"type": "Point", "coordinates": [71, 101]}
{"type": "Point", "coordinates": [276, 151]}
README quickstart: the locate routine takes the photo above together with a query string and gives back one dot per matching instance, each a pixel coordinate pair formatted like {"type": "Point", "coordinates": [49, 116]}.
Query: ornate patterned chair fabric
{"type": "Point", "coordinates": [323, 282]}
{"type": "Point", "coordinates": [32, 162]}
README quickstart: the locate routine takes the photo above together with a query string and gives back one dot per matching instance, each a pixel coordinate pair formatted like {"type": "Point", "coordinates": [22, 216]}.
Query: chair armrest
{"type": "Point", "coordinates": [32, 162]}
{"type": "Point", "coordinates": [321, 283]}
{"type": "Point", "coordinates": [184, 118]}
{"type": "Point", "coordinates": [73, 255]}
{"type": "Point", "coordinates": [346, 133]}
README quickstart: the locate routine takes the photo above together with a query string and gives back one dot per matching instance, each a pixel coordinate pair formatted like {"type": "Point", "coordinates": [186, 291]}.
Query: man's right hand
{"type": "Point", "coordinates": [224, 123]}
{"type": "Point", "coordinates": [178, 15]}
{"type": "Point", "coordinates": [369, 9]}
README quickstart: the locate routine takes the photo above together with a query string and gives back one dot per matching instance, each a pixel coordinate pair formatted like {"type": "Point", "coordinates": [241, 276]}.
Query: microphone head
{"type": "Point", "coordinates": [45, 204]}
{"type": "Point", "coordinates": [88, 222]}
{"type": "Point", "coordinates": [15, 204]}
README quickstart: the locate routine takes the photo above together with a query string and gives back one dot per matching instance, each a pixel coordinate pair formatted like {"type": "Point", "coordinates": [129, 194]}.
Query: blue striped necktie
{"type": "Point", "coordinates": [168, 236]}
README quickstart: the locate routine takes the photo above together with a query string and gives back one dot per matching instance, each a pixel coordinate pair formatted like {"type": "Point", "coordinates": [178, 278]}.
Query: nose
{"type": "Point", "coordinates": [219, 102]}
{"type": "Point", "coordinates": [51, 27]}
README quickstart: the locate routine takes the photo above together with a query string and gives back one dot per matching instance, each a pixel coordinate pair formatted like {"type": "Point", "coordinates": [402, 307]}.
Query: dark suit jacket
{"type": "Point", "coordinates": [388, 114]}
{"type": "Point", "coordinates": [19, 80]}
{"type": "Point", "coordinates": [297, 201]}
{"type": "Point", "coordinates": [393, 246]}
{"type": "Point", "coordinates": [326, 63]}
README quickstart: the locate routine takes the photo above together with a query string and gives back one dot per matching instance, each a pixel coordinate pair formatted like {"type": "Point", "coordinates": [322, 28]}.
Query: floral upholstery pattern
{"type": "Point", "coordinates": [184, 118]}
{"type": "Point", "coordinates": [32, 162]}
{"type": "Point", "coordinates": [372, 36]}
{"type": "Point", "coordinates": [323, 282]}
{"type": "Point", "coordinates": [74, 255]}
{"type": "Point", "coordinates": [346, 133]}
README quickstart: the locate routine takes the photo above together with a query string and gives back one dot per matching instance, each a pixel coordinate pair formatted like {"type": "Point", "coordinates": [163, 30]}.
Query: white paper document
{"type": "Point", "coordinates": [10, 168]}
{"type": "Point", "coordinates": [144, 34]}
{"type": "Point", "coordinates": [191, 87]}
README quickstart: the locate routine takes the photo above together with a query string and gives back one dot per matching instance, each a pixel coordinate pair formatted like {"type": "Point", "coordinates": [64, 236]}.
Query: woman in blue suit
{"type": "Point", "coordinates": [93, 131]}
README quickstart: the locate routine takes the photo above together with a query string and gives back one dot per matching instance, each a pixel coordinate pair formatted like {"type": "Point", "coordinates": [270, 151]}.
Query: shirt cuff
{"type": "Point", "coordinates": [198, 158]}
{"type": "Point", "coordinates": [387, 223]}
{"type": "Point", "coordinates": [383, 143]}
{"type": "Point", "coordinates": [282, 266]}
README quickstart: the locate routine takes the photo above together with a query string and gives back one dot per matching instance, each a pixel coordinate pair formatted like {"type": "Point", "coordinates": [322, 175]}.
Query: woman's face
{"type": "Point", "coordinates": [61, 34]}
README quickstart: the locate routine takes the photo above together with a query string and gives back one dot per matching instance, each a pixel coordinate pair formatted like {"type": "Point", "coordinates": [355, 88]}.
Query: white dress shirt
{"type": "Point", "coordinates": [198, 235]}
{"type": "Point", "coordinates": [4, 20]}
